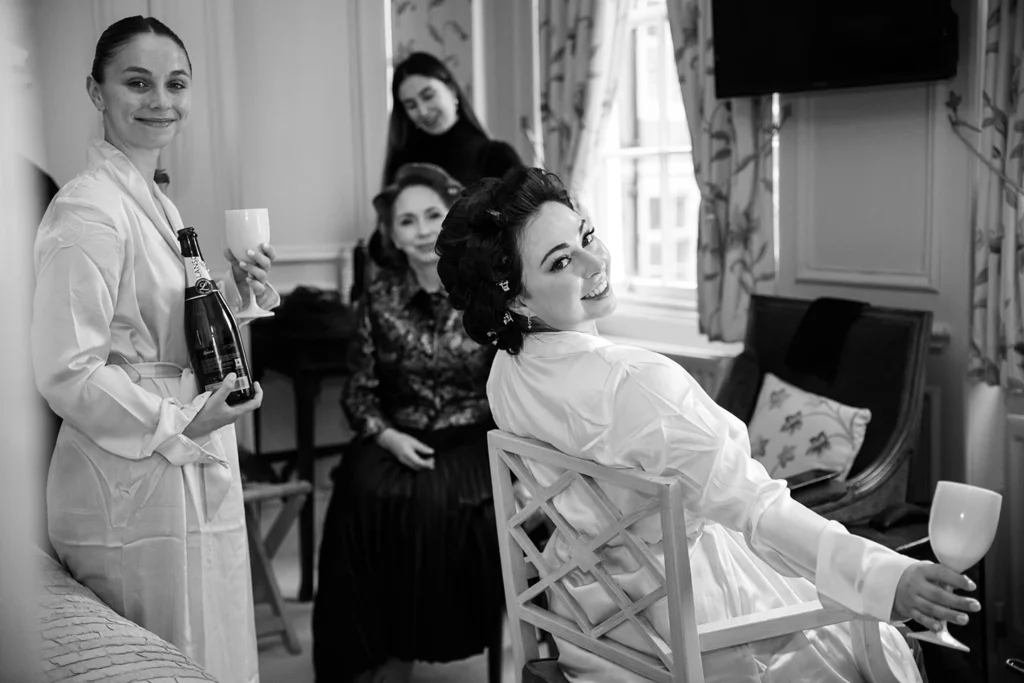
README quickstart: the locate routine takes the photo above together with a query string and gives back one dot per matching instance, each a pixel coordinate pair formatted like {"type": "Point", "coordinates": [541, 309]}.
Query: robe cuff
{"type": "Point", "coordinates": [178, 449]}
{"type": "Point", "coordinates": [859, 574]}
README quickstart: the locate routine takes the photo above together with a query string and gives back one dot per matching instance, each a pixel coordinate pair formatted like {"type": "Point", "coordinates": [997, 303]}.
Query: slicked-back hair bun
{"type": "Point", "coordinates": [480, 265]}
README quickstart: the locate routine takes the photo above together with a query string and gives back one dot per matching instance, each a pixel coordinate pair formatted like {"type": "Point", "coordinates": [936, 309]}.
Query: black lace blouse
{"type": "Point", "coordinates": [413, 366]}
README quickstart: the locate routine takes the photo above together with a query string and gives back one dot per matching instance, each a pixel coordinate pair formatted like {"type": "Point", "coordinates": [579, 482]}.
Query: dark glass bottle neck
{"type": "Point", "coordinates": [189, 243]}
{"type": "Point", "coordinates": [197, 275]}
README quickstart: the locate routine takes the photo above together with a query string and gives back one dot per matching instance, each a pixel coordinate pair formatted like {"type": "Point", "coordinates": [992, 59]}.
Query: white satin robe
{"type": "Point", "coordinates": [752, 548]}
{"type": "Point", "coordinates": [147, 518]}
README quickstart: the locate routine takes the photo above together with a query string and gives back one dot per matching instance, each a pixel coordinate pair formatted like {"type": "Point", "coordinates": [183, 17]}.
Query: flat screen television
{"type": "Point", "coordinates": [763, 47]}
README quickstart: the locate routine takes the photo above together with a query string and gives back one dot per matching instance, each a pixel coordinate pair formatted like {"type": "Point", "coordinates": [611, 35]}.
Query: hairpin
{"type": "Point", "coordinates": [494, 214]}
{"type": "Point", "coordinates": [507, 319]}
{"type": "Point", "coordinates": [452, 190]}
{"type": "Point", "coordinates": [504, 285]}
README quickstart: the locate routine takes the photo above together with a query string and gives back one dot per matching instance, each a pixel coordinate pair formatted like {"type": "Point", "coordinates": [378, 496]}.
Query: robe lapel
{"type": "Point", "coordinates": [138, 189]}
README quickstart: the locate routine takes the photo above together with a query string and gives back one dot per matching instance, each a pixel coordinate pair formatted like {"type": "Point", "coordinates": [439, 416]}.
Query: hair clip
{"type": "Point", "coordinates": [507, 319]}
{"type": "Point", "coordinates": [494, 214]}
{"type": "Point", "coordinates": [452, 190]}
{"type": "Point", "coordinates": [504, 285]}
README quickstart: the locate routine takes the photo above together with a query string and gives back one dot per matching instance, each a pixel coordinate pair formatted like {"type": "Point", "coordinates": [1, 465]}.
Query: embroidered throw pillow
{"type": "Point", "coordinates": [793, 431]}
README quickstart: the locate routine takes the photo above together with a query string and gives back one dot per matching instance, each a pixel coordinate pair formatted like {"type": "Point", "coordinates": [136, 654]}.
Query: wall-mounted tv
{"type": "Point", "coordinates": [764, 47]}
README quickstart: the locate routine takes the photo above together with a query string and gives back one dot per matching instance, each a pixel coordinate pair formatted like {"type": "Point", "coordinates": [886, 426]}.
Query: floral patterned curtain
{"type": "Point", "coordinates": [997, 333]}
{"type": "Point", "coordinates": [580, 42]}
{"type": "Point", "coordinates": [732, 159]}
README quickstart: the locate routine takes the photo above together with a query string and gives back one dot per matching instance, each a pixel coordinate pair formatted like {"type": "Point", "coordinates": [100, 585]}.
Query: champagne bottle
{"type": "Point", "coordinates": [214, 345]}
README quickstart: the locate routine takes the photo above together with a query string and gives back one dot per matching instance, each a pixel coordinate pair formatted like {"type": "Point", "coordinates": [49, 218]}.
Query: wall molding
{"type": "Point", "coordinates": [322, 266]}
{"type": "Point", "coordinates": [927, 280]}
{"type": "Point", "coordinates": [293, 254]}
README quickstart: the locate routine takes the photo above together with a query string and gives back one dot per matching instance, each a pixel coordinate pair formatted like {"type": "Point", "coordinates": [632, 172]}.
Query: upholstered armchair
{"type": "Point", "coordinates": [860, 355]}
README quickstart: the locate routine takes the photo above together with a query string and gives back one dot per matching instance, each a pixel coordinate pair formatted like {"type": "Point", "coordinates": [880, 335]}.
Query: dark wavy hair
{"type": "Point", "coordinates": [116, 37]}
{"type": "Point", "coordinates": [401, 129]}
{"type": "Point", "coordinates": [479, 250]}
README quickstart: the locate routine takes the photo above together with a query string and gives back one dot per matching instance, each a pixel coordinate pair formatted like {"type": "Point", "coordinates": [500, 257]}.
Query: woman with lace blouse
{"type": "Point", "coordinates": [409, 566]}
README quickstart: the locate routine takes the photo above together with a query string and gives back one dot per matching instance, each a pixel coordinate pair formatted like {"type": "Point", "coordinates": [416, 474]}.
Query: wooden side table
{"type": "Point", "coordinates": [307, 355]}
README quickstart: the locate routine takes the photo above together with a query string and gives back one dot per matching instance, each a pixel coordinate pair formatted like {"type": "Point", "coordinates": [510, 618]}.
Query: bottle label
{"type": "Point", "coordinates": [215, 367]}
{"type": "Point", "coordinates": [202, 287]}
{"type": "Point", "coordinates": [195, 271]}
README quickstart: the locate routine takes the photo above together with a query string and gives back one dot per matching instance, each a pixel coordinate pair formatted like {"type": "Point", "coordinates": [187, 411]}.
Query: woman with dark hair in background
{"type": "Point", "coordinates": [144, 495]}
{"type": "Point", "coordinates": [433, 122]}
{"type": "Point", "coordinates": [409, 564]}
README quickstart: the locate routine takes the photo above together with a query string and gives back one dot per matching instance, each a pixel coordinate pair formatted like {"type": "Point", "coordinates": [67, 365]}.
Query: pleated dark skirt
{"type": "Point", "coordinates": [409, 564]}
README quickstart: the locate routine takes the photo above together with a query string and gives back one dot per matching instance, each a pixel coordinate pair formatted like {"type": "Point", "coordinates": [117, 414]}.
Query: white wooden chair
{"type": "Point", "coordinates": [677, 661]}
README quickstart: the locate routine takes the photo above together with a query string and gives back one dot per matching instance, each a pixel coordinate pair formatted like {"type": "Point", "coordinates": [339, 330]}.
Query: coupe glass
{"type": "Point", "coordinates": [961, 529]}
{"type": "Point", "coordinates": [247, 229]}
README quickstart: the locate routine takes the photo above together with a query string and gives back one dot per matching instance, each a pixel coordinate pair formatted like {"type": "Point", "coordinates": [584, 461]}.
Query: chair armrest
{"type": "Point", "coordinates": [762, 625]}
{"type": "Point", "coordinates": [819, 494]}
{"type": "Point", "coordinates": [866, 633]}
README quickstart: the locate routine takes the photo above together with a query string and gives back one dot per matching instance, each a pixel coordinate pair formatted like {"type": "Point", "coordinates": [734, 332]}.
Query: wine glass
{"type": "Point", "coordinates": [247, 229]}
{"type": "Point", "coordinates": [961, 528]}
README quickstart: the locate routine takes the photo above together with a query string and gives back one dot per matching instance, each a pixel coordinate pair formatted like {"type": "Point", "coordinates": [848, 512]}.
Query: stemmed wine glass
{"type": "Point", "coordinates": [247, 229]}
{"type": "Point", "coordinates": [961, 528]}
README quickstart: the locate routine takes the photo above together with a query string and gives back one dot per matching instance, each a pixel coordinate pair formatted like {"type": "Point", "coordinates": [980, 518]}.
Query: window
{"type": "Point", "coordinates": [643, 191]}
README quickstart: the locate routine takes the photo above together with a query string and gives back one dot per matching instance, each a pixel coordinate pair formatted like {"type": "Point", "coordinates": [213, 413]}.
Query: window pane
{"type": "Point", "coordinates": [648, 90]}
{"type": "Point", "coordinates": [643, 186]}
{"type": "Point", "coordinates": [681, 227]}
{"type": "Point", "coordinates": [648, 236]}
{"type": "Point", "coordinates": [677, 130]}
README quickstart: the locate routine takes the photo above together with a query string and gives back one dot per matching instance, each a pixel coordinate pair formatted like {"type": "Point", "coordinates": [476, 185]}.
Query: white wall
{"type": "Point", "coordinates": [298, 117]}
{"type": "Point", "coordinates": [875, 205]}
{"type": "Point", "coordinates": [21, 423]}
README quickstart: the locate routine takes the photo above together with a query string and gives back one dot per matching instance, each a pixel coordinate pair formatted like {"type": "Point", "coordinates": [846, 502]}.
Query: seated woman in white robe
{"type": "Point", "coordinates": [532, 278]}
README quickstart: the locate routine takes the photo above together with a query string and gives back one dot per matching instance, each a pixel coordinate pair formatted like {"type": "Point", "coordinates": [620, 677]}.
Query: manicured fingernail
{"type": "Point", "coordinates": [962, 619]}
{"type": "Point", "coordinates": [251, 252]}
{"type": "Point", "coordinates": [970, 584]}
{"type": "Point", "coordinates": [975, 606]}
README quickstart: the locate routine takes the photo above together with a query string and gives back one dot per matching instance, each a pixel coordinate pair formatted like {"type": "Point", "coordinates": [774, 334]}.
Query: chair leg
{"type": "Point", "coordinates": [494, 653]}
{"type": "Point", "coordinates": [265, 584]}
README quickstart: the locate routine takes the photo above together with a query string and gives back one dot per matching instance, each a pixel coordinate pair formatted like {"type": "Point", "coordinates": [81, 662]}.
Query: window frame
{"type": "Point", "coordinates": [637, 292]}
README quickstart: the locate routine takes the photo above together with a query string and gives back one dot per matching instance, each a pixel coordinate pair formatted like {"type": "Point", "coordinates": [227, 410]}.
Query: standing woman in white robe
{"type": "Point", "coordinates": [531, 277]}
{"type": "Point", "coordinates": [144, 495]}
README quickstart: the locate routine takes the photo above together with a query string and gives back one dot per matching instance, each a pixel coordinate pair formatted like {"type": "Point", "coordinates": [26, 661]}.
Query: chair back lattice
{"type": "Point", "coordinates": [528, 574]}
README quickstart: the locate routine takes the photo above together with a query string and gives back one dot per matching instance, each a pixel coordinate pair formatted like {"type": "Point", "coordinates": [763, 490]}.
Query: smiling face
{"type": "Point", "coordinates": [430, 104]}
{"type": "Point", "coordinates": [418, 214]}
{"type": "Point", "coordinates": [565, 271]}
{"type": "Point", "coordinates": [145, 95]}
